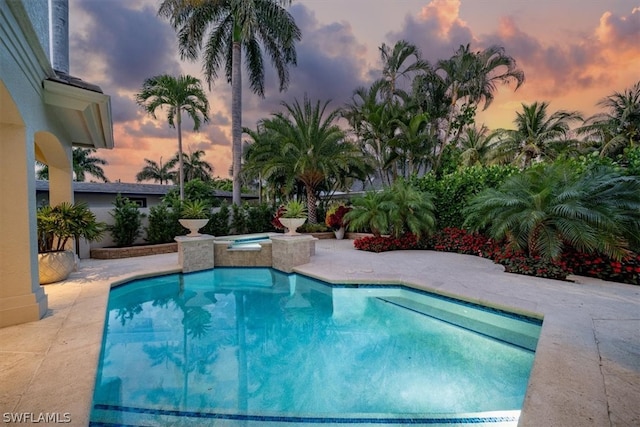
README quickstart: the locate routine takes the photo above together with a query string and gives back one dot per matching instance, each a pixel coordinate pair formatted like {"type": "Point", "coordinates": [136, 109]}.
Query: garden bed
{"type": "Point", "coordinates": [133, 251]}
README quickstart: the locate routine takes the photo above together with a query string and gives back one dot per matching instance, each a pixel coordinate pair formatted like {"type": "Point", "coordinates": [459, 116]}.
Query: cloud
{"type": "Point", "coordinates": [620, 32]}
{"type": "Point", "coordinates": [331, 64]}
{"type": "Point", "coordinates": [437, 31]}
{"type": "Point", "coordinates": [129, 46]}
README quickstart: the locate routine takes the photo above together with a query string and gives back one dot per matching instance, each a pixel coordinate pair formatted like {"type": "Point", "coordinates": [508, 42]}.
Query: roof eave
{"type": "Point", "coordinates": [85, 113]}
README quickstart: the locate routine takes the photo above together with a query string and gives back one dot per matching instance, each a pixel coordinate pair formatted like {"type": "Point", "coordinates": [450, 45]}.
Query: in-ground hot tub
{"type": "Point", "coordinates": [244, 250]}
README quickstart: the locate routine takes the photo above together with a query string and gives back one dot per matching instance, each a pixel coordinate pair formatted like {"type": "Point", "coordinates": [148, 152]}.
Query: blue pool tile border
{"type": "Point", "coordinates": [298, 419]}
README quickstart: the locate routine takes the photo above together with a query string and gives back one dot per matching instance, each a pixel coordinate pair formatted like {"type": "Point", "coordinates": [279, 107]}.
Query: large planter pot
{"type": "Point", "coordinates": [55, 266]}
{"type": "Point", "coordinates": [193, 225]}
{"type": "Point", "coordinates": [339, 233]}
{"type": "Point", "coordinates": [292, 225]}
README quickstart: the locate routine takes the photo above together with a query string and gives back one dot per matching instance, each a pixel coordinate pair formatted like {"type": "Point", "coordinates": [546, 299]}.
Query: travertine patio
{"type": "Point", "coordinates": [586, 371]}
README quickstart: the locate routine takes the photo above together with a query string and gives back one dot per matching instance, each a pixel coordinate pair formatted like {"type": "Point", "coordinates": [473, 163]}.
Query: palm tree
{"type": "Point", "coordinates": [310, 147]}
{"type": "Point", "coordinates": [393, 67]}
{"type": "Point", "coordinates": [157, 172]}
{"type": "Point", "coordinates": [619, 127]}
{"type": "Point", "coordinates": [539, 136]}
{"type": "Point", "coordinates": [183, 93]}
{"type": "Point", "coordinates": [479, 147]}
{"type": "Point", "coordinates": [550, 206]}
{"type": "Point", "coordinates": [412, 143]}
{"type": "Point", "coordinates": [369, 212]}
{"type": "Point", "coordinates": [83, 163]}
{"type": "Point", "coordinates": [472, 78]}
{"type": "Point", "coordinates": [195, 167]}
{"type": "Point", "coordinates": [371, 119]}
{"type": "Point", "coordinates": [222, 29]}
{"type": "Point", "coordinates": [410, 210]}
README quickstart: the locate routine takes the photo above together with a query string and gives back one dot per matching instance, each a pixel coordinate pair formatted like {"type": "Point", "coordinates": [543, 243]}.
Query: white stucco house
{"type": "Point", "coordinates": [44, 112]}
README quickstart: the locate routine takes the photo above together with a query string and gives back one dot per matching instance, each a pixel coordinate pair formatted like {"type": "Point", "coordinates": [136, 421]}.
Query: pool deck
{"type": "Point", "coordinates": [586, 371]}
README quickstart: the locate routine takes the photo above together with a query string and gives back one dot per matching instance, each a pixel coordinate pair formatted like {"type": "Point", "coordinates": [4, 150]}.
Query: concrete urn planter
{"type": "Point", "coordinates": [55, 266]}
{"type": "Point", "coordinates": [292, 225]}
{"type": "Point", "coordinates": [193, 225]}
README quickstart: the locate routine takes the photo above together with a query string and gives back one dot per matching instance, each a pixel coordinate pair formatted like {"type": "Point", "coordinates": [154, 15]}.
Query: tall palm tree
{"type": "Point", "coordinates": [394, 67]}
{"type": "Point", "coordinates": [550, 205]}
{"type": "Point", "coordinates": [619, 126]}
{"type": "Point", "coordinates": [157, 172]}
{"type": "Point", "coordinates": [539, 136]}
{"type": "Point", "coordinates": [84, 163]}
{"type": "Point", "coordinates": [311, 147]}
{"type": "Point", "coordinates": [175, 94]}
{"type": "Point", "coordinates": [472, 79]}
{"type": "Point", "coordinates": [371, 119]}
{"type": "Point", "coordinates": [195, 167]}
{"type": "Point", "coordinates": [222, 29]}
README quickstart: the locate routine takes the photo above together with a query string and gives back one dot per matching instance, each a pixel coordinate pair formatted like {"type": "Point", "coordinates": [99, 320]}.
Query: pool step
{"type": "Point", "coordinates": [511, 330]}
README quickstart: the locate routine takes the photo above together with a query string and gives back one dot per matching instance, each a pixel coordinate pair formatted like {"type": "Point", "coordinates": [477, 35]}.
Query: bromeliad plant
{"type": "Point", "coordinates": [58, 224]}
{"type": "Point", "coordinates": [292, 209]}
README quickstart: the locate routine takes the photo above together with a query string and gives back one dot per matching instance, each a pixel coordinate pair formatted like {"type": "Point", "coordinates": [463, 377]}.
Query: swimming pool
{"type": "Point", "coordinates": [253, 346]}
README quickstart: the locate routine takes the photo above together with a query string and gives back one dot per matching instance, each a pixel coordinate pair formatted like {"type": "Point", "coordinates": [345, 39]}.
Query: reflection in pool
{"type": "Point", "coordinates": [245, 346]}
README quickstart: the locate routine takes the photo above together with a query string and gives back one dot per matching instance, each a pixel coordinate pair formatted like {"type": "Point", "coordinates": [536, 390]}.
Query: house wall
{"type": "Point", "coordinates": [23, 119]}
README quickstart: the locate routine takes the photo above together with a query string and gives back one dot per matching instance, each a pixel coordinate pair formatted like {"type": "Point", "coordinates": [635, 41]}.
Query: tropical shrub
{"type": "Point", "coordinates": [334, 218]}
{"type": "Point", "coordinates": [549, 207]}
{"type": "Point", "coordinates": [258, 218]}
{"type": "Point", "coordinates": [128, 221]}
{"type": "Point", "coordinates": [308, 227]}
{"type": "Point", "coordinates": [238, 219]}
{"type": "Point", "coordinates": [397, 210]}
{"type": "Point", "coordinates": [387, 243]}
{"type": "Point", "coordinates": [463, 241]}
{"type": "Point", "coordinates": [626, 270]}
{"type": "Point", "coordinates": [452, 192]}
{"type": "Point", "coordinates": [163, 224]}
{"type": "Point", "coordinates": [58, 224]}
{"type": "Point", "coordinates": [218, 224]}
{"type": "Point", "coordinates": [369, 213]}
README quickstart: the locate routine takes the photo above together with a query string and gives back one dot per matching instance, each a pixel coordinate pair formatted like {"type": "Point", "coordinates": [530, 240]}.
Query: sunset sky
{"type": "Point", "coordinates": [573, 53]}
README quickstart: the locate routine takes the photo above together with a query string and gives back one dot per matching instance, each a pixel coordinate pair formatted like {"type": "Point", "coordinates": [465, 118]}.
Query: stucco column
{"type": "Point", "coordinates": [61, 182]}
{"type": "Point", "coordinates": [22, 299]}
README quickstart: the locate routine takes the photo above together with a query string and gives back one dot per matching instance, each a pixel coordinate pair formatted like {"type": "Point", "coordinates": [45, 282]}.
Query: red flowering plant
{"type": "Point", "coordinates": [335, 216]}
{"type": "Point", "coordinates": [276, 218]}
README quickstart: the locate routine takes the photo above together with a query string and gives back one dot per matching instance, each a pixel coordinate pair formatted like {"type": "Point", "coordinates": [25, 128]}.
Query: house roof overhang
{"type": "Point", "coordinates": [83, 109]}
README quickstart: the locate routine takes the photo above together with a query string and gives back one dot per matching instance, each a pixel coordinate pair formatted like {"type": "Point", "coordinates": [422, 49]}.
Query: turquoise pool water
{"type": "Point", "coordinates": [253, 346]}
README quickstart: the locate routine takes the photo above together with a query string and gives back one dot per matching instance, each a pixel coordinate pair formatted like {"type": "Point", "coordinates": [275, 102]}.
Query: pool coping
{"type": "Point", "coordinates": [586, 371]}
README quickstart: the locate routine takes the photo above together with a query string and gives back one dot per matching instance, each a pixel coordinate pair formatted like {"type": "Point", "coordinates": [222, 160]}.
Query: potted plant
{"type": "Point", "coordinates": [56, 226]}
{"type": "Point", "coordinates": [335, 219]}
{"type": "Point", "coordinates": [291, 216]}
{"type": "Point", "coordinates": [194, 215]}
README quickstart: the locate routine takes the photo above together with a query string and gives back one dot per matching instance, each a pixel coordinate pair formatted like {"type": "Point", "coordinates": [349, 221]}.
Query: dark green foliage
{"type": "Point", "coordinates": [451, 192]}
{"type": "Point", "coordinates": [397, 210]}
{"type": "Point", "coordinates": [163, 224]}
{"type": "Point", "coordinates": [128, 222]}
{"type": "Point", "coordinates": [630, 160]}
{"type": "Point", "coordinates": [218, 225]}
{"type": "Point", "coordinates": [195, 189]}
{"type": "Point", "coordinates": [551, 207]}
{"type": "Point", "coordinates": [313, 228]}
{"type": "Point", "coordinates": [238, 220]}
{"type": "Point", "coordinates": [258, 218]}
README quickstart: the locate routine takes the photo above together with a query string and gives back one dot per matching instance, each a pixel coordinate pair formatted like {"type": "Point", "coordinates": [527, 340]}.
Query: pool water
{"type": "Point", "coordinates": [253, 346]}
